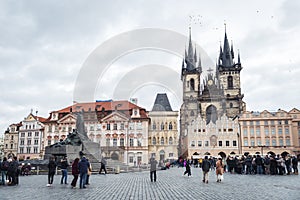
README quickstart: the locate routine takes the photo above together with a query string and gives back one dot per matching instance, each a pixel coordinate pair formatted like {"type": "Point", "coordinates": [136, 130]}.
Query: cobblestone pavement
{"type": "Point", "coordinates": [170, 185]}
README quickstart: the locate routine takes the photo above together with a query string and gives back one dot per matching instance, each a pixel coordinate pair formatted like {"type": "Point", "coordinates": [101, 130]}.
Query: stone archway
{"type": "Point", "coordinates": [222, 154]}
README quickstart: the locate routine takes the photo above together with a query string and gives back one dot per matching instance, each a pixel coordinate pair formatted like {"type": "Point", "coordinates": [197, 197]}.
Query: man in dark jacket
{"type": "Point", "coordinates": [83, 166]}
{"type": "Point", "coordinates": [51, 171]}
{"type": "Point", "coordinates": [64, 170]}
{"type": "Point", "coordinates": [205, 168]}
{"type": "Point", "coordinates": [153, 164]}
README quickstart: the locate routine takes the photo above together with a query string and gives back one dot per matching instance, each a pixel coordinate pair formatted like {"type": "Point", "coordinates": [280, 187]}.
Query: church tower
{"type": "Point", "coordinates": [228, 73]}
{"type": "Point", "coordinates": [190, 77]}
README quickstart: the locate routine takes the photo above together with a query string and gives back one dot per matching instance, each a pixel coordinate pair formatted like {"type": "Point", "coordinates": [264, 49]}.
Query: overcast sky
{"type": "Point", "coordinates": [46, 45]}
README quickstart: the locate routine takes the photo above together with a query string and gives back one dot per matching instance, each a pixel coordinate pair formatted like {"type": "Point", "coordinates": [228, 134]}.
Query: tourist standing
{"type": "Point", "coordinates": [103, 165]}
{"type": "Point", "coordinates": [206, 165]}
{"type": "Point", "coordinates": [83, 166]}
{"type": "Point", "coordinates": [89, 173]}
{"type": "Point", "coordinates": [51, 171]}
{"type": "Point", "coordinates": [75, 172]}
{"type": "Point", "coordinates": [64, 170]}
{"type": "Point", "coordinates": [295, 164]}
{"type": "Point", "coordinates": [153, 164]}
{"type": "Point", "coordinates": [219, 169]}
{"type": "Point", "coordinates": [4, 168]}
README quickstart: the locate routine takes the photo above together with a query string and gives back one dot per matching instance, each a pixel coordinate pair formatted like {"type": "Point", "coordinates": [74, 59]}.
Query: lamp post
{"type": "Point", "coordinates": [262, 149]}
{"type": "Point", "coordinates": [239, 136]}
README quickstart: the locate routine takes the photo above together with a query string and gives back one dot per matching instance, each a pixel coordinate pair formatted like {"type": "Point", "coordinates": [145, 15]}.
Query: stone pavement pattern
{"type": "Point", "coordinates": [170, 185]}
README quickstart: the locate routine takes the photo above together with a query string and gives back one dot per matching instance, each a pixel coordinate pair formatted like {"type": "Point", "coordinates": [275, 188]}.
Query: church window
{"type": "Point", "coordinates": [211, 114]}
{"type": "Point", "coordinates": [230, 82]}
{"type": "Point", "coordinates": [192, 82]}
{"type": "Point", "coordinates": [162, 126]}
{"type": "Point", "coordinates": [170, 126]}
{"type": "Point", "coordinates": [170, 140]}
{"type": "Point", "coordinates": [154, 140]}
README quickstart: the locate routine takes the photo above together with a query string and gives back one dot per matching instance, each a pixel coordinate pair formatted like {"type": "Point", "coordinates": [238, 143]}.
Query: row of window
{"type": "Point", "coordinates": [29, 134]}
{"type": "Point", "coordinates": [162, 126]}
{"type": "Point", "coordinates": [266, 122]}
{"type": "Point", "coordinates": [206, 143]}
{"type": "Point", "coordinates": [266, 131]}
{"type": "Point", "coordinates": [28, 150]}
{"type": "Point", "coordinates": [22, 142]}
{"type": "Point", "coordinates": [267, 142]}
{"type": "Point", "coordinates": [162, 140]}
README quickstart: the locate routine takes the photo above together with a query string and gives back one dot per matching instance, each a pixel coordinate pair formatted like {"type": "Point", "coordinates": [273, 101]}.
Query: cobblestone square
{"type": "Point", "coordinates": [170, 185]}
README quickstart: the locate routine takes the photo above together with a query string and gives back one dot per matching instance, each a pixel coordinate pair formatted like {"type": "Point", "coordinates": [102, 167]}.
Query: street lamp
{"type": "Point", "coordinates": [262, 149]}
{"type": "Point", "coordinates": [239, 136]}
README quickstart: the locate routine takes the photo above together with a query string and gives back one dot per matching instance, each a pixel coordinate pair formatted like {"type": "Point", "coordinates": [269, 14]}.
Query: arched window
{"type": "Point", "coordinates": [154, 126]}
{"type": "Point", "coordinates": [170, 126]}
{"type": "Point", "coordinates": [153, 140]}
{"type": "Point", "coordinates": [162, 141]}
{"type": "Point", "coordinates": [162, 126]}
{"type": "Point", "coordinates": [170, 140]}
{"type": "Point", "coordinates": [230, 82]}
{"type": "Point", "coordinates": [192, 82]}
{"type": "Point", "coordinates": [211, 114]}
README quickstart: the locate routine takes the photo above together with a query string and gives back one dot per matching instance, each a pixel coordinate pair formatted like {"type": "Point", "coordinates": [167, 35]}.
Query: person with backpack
{"type": "Point", "coordinates": [4, 168]}
{"type": "Point", "coordinates": [187, 168]}
{"type": "Point", "coordinates": [206, 165]}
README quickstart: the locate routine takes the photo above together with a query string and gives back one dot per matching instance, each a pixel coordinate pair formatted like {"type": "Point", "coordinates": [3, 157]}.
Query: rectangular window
{"type": "Point", "coordinates": [280, 142]}
{"type": "Point", "coordinates": [28, 142]}
{"type": "Point", "coordinates": [251, 131]}
{"type": "Point", "coordinates": [220, 143]}
{"type": "Point", "coordinates": [227, 143]}
{"type": "Point", "coordinates": [286, 121]}
{"type": "Point", "coordinates": [139, 142]}
{"type": "Point", "coordinates": [11, 146]}
{"type": "Point", "coordinates": [22, 142]}
{"type": "Point", "coordinates": [279, 122]}
{"type": "Point", "coordinates": [267, 142]}
{"type": "Point", "coordinates": [258, 142]}
{"type": "Point", "coordinates": [266, 131]}
{"type": "Point", "coordinates": [251, 123]}
{"type": "Point", "coordinates": [288, 142]}
{"type": "Point", "coordinates": [199, 143]}
{"type": "Point", "coordinates": [130, 159]}
{"type": "Point", "coordinates": [36, 134]}
{"type": "Point", "coordinates": [245, 142]}
{"type": "Point", "coordinates": [35, 150]}
{"type": "Point", "coordinates": [257, 123]}
{"type": "Point", "coordinates": [244, 123]}
{"type": "Point", "coordinates": [131, 142]}
{"type": "Point", "coordinates": [122, 142]}
{"type": "Point", "coordinates": [21, 149]}
{"type": "Point", "coordinates": [245, 132]}
{"type": "Point", "coordinates": [70, 129]}
{"type": "Point", "coordinates": [107, 142]}
{"type": "Point", "coordinates": [29, 134]}
{"type": "Point", "coordinates": [22, 134]}
{"type": "Point", "coordinates": [258, 132]}
{"type": "Point", "coordinates": [107, 126]}
{"type": "Point", "coordinates": [287, 131]}
{"type": "Point", "coordinates": [273, 142]}
{"type": "Point", "coordinates": [273, 131]}
{"type": "Point", "coordinates": [279, 131]}
{"type": "Point", "coordinates": [206, 143]}
{"type": "Point", "coordinates": [63, 129]}
{"type": "Point", "coordinates": [122, 126]}
{"type": "Point", "coordinates": [91, 128]}
{"type": "Point", "coordinates": [193, 143]}
{"type": "Point", "coordinates": [266, 123]}
{"type": "Point", "coordinates": [50, 129]}
{"type": "Point", "coordinates": [272, 122]}
{"type": "Point", "coordinates": [36, 142]}
{"type": "Point", "coordinates": [234, 143]}
{"type": "Point", "coordinates": [28, 150]}
{"type": "Point", "coordinates": [115, 142]}
{"type": "Point", "coordinates": [171, 155]}
{"type": "Point", "coordinates": [252, 142]}
{"type": "Point", "coordinates": [115, 126]}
